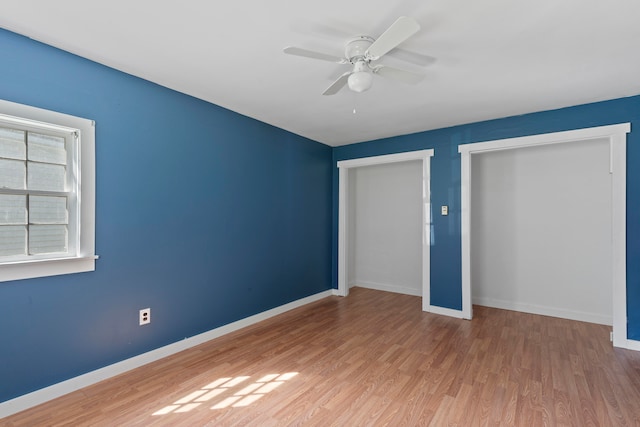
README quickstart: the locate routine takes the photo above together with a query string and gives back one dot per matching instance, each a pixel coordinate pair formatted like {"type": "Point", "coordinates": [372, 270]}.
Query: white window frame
{"type": "Point", "coordinates": [83, 258]}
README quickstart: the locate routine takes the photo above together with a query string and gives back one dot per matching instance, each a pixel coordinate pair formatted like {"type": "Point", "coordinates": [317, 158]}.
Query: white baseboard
{"type": "Point", "coordinates": [37, 397]}
{"type": "Point", "coordinates": [545, 310]}
{"type": "Point", "coordinates": [388, 288]}
{"type": "Point", "coordinates": [633, 345]}
{"type": "Point", "coordinates": [409, 291]}
{"type": "Point", "coordinates": [446, 311]}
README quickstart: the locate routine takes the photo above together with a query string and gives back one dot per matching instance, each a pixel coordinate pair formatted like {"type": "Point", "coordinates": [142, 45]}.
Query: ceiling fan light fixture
{"type": "Point", "coordinates": [360, 81]}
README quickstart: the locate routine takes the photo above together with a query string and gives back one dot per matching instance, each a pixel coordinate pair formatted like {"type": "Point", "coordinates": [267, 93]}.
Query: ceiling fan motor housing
{"type": "Point", "coordinates": [355, 48]}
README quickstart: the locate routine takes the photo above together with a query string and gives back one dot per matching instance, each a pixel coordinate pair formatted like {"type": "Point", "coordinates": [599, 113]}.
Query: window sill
{"type": "Point", "coordinates": [46, 267]}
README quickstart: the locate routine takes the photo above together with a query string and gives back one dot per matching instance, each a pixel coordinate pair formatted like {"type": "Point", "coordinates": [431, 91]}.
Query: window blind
{"type": "Point", "coordinates": [34, 203]}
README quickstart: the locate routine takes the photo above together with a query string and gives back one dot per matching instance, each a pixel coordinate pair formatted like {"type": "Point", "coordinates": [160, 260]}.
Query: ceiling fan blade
{"type": "Point", "coordinates": [413, 57]}
{"type": "Point", "coordinates": [297, 51]}
{"type": "Point", "coordinates": [399, 31]}
{"type": "Point", "coordinates": [398, 74]}
{"type": "Point", "coordinates": [338, 84]}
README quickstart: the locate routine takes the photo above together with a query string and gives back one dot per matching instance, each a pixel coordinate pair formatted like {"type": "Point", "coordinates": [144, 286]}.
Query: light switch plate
{"type": "Point", "coordinates": [444, 210]}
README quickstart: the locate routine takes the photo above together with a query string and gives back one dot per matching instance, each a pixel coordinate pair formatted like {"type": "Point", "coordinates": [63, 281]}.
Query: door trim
{"type": "Point", "coordinates": [617, 137]}
{"type": "Point", "coordinates": [343, 198]}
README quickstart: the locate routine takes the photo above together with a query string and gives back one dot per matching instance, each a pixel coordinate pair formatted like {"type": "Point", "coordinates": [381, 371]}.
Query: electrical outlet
{"type": "Point", "coordinates": [145, 316]}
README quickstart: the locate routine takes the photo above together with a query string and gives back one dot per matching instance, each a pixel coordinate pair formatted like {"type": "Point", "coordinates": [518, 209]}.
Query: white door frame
{"type": "Point", "coordinates": [343, 167]}
{"type": "Point", "coordinates": [617, 137]}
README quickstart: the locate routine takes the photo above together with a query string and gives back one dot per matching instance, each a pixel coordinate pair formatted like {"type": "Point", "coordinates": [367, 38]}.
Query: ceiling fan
{"type": "Point", "coordinates": [362, 52]}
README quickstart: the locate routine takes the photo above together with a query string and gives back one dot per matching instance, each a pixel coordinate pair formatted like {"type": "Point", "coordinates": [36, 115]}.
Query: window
{"type": "Point", "coordinates": [47, 185]}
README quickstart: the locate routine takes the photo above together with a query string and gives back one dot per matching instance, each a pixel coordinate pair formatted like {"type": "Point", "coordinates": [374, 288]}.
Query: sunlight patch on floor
{"type": "Point", "coordinates": [226, 390]}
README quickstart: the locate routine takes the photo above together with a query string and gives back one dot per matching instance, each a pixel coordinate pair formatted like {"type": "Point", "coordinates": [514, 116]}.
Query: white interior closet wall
{"type": "Point", "coordinates": [541, 230]}
{"type": "Point", "coordinates": [385, 227]}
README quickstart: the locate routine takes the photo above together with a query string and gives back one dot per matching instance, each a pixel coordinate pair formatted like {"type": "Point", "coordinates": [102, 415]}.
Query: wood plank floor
{"type": "Point", "coordinates": [373, 359]}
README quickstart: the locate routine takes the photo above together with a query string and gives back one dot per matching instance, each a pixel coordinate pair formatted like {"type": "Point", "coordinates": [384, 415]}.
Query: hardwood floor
{"type": "Point", "coordinates": [373, 359]}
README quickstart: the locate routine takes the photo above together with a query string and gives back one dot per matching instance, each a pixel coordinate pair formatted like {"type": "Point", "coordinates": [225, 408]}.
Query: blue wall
{"type": "Point", "coordinates": [446, 281]}
{"type": "Point", "coordinates": [202, 214]}
{"type": "Point", "coordinates": [207, 216]}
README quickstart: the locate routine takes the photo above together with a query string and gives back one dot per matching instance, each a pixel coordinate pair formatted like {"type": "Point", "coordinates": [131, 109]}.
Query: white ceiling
{"type": "Point", "coordinates": [493, 58]}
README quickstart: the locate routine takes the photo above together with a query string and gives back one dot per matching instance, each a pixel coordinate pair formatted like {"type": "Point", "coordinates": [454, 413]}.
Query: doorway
{"type": "Point", "coordinates": [344, 211]}
{"type": "Point", "coordinates": [541, 242]}
{"type": "Point", "coordinates": [615, 137]}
